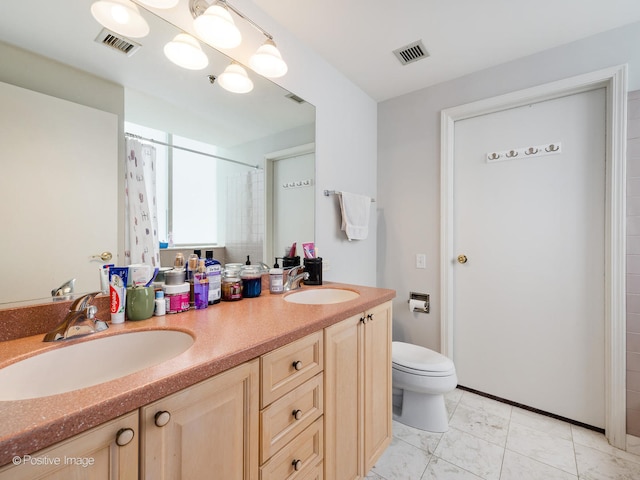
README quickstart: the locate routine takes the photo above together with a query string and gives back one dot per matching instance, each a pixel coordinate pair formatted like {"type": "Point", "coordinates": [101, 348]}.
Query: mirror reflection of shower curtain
{"type": "Point", "coordinates": [141, 219]}
{"type": "Point", "coordinates": [245, 228]}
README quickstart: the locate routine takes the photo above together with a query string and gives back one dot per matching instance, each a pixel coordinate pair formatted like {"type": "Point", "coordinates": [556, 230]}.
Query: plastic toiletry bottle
{"type": "Point", "coordinates": [214, 272]}
{"type": "Point", "coordinates": [201, 287]}
{"type": "Point", "coordinates": [161, 305]}
{"type": "Point", "coordinates": [276, 279]}
{"type": "Point", "coordinates": [192, 266]}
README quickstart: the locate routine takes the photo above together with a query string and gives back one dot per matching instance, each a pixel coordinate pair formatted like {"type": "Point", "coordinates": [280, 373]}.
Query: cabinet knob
{"type": "Point", "coordinates": [124, 436]}
{"type": "Point", "coordinates": [363, 320]}
{"type": "Point", "coordinates": [370, 317]}
{"type": "Point", "coordinates": [297, 465]}
{"type": "Point", "coordinates": [162, 418]}
{"type": "Point", "coordinates": [297, 365]}
{"type": "Point", "coordinates": [297, 414]}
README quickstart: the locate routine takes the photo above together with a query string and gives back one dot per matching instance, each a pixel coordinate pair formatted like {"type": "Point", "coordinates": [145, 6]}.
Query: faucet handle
{"type": "Point", "coordinates": [81, 303]}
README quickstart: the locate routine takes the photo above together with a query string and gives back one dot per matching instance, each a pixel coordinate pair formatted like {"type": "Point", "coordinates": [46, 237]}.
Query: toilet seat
{"type": "Point", "coordinates": [418, 360]}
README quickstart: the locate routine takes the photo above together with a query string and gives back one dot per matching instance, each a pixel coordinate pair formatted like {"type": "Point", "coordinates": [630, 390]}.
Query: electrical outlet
{"type": "Point", "coordinates": [421, 260]}
{"type": "Point", "coordinates": [326, 265]}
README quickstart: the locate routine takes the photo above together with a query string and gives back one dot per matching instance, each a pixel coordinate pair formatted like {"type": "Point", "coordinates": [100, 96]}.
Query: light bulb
{"type": "Point", "coordinates": [267, 61]}
{"type": "Point", "coordinates": [215, 26]}
{"type": "Point", "coordinates": [185, 51]}
{"type": "Point", "coordinates": [159, 3]}
{"type": "Point", "coordinates": [235, 79]}
{"type": "Point", "coordinates": [121, 16]}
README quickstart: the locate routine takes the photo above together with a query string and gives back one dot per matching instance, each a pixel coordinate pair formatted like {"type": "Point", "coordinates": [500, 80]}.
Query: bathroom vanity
{"type": "Point", "coordinates": [270, 389]}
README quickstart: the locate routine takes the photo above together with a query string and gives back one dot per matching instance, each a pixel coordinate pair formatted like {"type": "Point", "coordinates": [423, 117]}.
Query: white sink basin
{"type": "Point", "coordinates": [81, 365]}
{"type": "Point", "coordinates": [321, 296]}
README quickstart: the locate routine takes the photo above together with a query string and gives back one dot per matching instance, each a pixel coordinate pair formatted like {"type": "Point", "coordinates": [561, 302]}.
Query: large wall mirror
{"type": "Point", "coordinates": [57, 66]}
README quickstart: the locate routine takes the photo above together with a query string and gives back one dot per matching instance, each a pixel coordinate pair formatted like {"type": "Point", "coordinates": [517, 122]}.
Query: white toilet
{"type": "Point", "coordinates": [421, 377]}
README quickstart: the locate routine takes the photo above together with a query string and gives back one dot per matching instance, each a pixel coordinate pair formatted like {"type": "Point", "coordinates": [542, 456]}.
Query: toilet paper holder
{"type": "Point", "coordinates": [418, 302]}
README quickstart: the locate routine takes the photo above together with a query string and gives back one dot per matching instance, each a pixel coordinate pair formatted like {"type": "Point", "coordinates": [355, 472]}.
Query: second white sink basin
{"type": "Point", "coordinates": [321, 296]}
{"type": "Point", "coordinates": [95, 361]}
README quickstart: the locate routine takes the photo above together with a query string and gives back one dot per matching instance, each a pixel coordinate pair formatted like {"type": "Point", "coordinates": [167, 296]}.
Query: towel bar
{"type": "Point", "coordinates": [333, 192]}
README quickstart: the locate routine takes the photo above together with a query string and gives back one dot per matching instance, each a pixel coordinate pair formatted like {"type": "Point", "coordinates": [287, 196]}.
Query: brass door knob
{"type": "Point", "coordinates": [104, 256]}
{"type": "Point", "coordinates": [462, 259]}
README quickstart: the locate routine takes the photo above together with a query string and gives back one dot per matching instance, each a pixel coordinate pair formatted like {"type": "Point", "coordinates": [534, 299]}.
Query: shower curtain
{"type": "Point", "coordinates": [141, 218]}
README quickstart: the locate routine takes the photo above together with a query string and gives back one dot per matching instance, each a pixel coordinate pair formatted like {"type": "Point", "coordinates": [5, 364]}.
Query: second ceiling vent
{"type": "Point", "coordinates": [411, 53]}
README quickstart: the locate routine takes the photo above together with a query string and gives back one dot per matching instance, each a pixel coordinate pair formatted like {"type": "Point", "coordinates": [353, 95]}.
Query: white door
{"type": "Point", "coordinates": [529, 301]}
{"type": "Point", "coordinates": [293, 199]}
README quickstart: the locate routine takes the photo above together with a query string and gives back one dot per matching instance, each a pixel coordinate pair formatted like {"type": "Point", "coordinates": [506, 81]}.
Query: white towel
{"type": "Point", "coordinates": [355, 215]}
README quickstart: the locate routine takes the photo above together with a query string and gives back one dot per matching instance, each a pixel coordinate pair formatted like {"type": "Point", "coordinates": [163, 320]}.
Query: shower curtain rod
{"type": "Point", "coordinates": [198, 152]}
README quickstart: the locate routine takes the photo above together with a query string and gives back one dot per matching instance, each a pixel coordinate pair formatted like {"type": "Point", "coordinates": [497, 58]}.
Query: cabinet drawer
{"type": "Point", "coordinates": [316, 473]}
{"type": "Point", "coordinates": [289, 415]}
{"type": "Point", "coordinates": [287, 367]}
{"type": "Point", "coordinates": [296, 458]}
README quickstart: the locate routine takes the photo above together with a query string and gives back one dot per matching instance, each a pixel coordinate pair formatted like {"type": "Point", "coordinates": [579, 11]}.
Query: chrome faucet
{"type": "Point", "coordinates": [64, 291]}
{"type": "Point", "coordinates": [79, 321]}
{"type": "Point", "coordinates": [294, 278]}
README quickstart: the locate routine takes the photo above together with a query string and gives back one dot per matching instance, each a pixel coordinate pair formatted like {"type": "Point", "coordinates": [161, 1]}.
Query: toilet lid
{"type": "Point", "coordinates": [419, 358]}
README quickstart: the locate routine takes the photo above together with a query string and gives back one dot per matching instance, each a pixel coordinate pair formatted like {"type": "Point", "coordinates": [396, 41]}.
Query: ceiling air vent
{"type": "Point", "coordinates": [295, 98]}
{"type": "Point", "coordinates": [411, 53]}
{"type": "Point", "coordinates": [117, 42]}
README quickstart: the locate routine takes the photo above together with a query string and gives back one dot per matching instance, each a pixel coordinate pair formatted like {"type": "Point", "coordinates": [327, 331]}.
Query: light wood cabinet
{"type": "Point", "coordinates": [317, 408]}
{"type": "Point", "coordinates": [209, 430]}
{"type": "Point", "coordinates": [291, 421]}
{"type": "Point", "coordinates": [358, 390]}
{"type": "Point", "coordinates": [92, 455]}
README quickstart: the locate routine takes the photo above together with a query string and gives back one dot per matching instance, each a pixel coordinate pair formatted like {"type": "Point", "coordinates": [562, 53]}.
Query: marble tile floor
{"type": "Point", "coordinates": [490, 440]}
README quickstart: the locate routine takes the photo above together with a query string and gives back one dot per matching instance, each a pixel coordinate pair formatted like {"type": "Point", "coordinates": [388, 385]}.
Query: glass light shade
{"type": "Point", "coordinates": [215, 26]}
{"type": "Point", "coordinates": [267, 61]}
{"type": "Point", "coordinates": [235, 79]}
{"type": "Point", "coordinates": [159, 3]}
{"type": "Point", "coordinates": [121, 16]}
{"type": "Point", "coordinates": [185, 51]}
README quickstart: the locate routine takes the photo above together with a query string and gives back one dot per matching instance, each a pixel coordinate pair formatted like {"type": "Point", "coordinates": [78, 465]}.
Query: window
{"type": "Point", "coordinates": [186, 188]}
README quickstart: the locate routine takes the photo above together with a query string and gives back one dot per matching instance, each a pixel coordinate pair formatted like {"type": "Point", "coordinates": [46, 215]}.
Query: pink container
{"type": "Point", "coordinates": [176, 297]}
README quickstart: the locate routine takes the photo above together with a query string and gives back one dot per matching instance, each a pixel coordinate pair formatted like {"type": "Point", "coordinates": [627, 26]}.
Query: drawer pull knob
{"type": "Point", "coordinates": [124, 436]}
{"type": "Point", "coordinates": [297, 414]}
{"type": "Point", "coordinates": [297, 365]}
{"type": "Point", "coordinates": [162, 418]}
{"type": "Point", "coordinates": [297, 465]}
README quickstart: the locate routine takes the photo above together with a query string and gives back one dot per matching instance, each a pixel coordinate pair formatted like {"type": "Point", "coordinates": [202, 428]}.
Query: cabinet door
{"type": "Point", "coordinates": [343, 384]}
{"type": "Point", "coordinates": [211, 430]}
{"type": "Point", "coordinates": [377, 408]}
{"type": "Point", "coordinates": [92, 455]}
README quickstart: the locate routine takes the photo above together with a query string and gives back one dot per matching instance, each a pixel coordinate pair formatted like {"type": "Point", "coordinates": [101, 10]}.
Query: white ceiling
{"type": "Point", "coordinates": [461, 36]}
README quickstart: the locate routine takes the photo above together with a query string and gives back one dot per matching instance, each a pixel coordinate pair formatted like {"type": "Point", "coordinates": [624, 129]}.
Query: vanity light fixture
{"type": "Point", "coordinates": [121, 16]}
{"type": "Point", "coordinates": [267, 61]}
{"type": "Point", "coordinates": [235, 79]}
{"type": "Point", "coordinates": [213, 22]}
{"type": "Point", "coordinates": [216, 27]}
{"type": "Point", "coordinates": [185, 51]}
{"type": "Point", "coordinates": [159, 3]}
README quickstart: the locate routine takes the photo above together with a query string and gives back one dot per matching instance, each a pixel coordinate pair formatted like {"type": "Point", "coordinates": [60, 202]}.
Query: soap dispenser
{"type": "Point", "coordinates": [276, 278]}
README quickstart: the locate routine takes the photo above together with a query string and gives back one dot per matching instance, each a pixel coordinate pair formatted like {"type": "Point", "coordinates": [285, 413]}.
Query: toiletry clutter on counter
{"type": "Point", "coordinates": [196, 283]}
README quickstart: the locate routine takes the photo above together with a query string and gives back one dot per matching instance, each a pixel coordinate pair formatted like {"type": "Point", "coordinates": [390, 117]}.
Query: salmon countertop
{"type": "Point", "coordinates": [226, 334]}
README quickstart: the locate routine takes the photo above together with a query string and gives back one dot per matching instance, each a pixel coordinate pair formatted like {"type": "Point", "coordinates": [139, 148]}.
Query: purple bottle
{"type": "Point", "coordinates": [201, 287]}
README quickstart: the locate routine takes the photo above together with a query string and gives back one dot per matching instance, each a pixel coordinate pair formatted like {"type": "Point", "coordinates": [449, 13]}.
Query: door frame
{"type": "Point", "coordinates": [614, 80]}
{"type": "Point", "coordinates": [269, 160]}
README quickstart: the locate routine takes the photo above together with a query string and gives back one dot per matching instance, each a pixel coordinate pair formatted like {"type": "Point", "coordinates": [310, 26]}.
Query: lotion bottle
{"type": "Point", "coordinates": [276, 279]}
{"type": "Point", "coordinates": [201, 287]}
